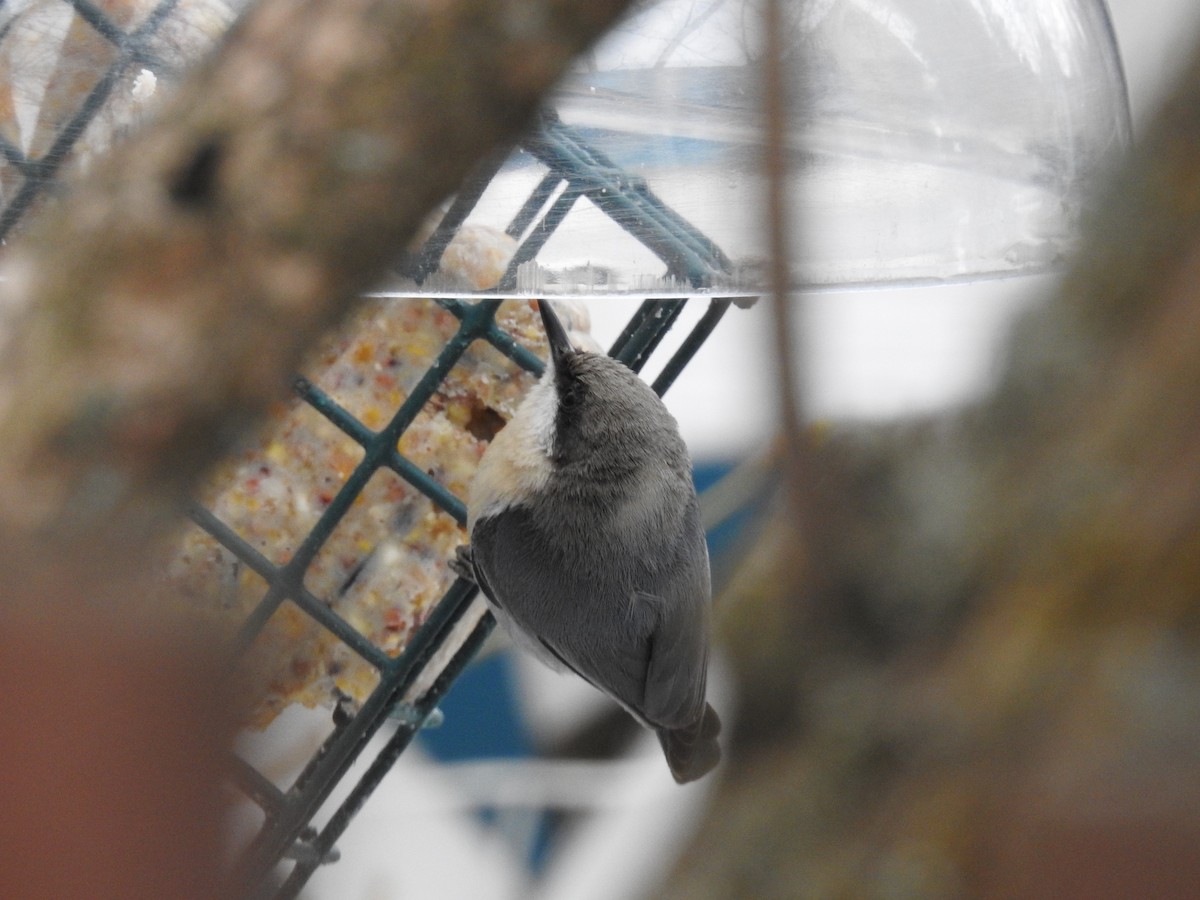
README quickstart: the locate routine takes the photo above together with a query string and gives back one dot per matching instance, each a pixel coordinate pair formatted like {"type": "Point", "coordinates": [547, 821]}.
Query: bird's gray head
{"type": "Point", "coordinates": [590, 435]}
{"type": "Point", "coordinates": [606, 420]}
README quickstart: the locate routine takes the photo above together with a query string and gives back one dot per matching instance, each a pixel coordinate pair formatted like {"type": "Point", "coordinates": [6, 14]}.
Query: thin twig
{"type": "Point", "coordinates": [799, 476]}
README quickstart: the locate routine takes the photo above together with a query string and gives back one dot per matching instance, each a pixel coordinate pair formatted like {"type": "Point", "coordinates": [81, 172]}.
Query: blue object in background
{"type": "Point", "coordinates": [725, 535]}
{"type": "Point", "coordinates": [483, 720]}
{"type": "Point", "coordinates": [483, 716]}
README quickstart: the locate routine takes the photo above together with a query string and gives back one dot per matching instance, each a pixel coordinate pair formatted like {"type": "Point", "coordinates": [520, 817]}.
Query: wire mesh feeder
{"type": "Point", "coordinates": [574, 171]}
{"type": "Point", "coordinates": [146, 37]}
{"type": "Point", "coordinates": [74, 77]}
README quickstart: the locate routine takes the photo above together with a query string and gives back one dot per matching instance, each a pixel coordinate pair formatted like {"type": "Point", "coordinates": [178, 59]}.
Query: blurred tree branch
{"type": "Point", "coordinates": [160, 309]}
{"type": "Point", "coordinates": [998, 693]}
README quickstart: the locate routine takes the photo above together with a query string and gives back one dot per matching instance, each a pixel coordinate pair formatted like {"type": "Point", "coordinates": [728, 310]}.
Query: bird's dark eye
{"type": "Point", "coordinates": [570, 390]}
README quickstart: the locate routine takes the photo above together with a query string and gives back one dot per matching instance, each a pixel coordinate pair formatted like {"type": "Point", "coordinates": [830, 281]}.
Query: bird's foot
{"type": "Point", "coordinates": [463, 563]}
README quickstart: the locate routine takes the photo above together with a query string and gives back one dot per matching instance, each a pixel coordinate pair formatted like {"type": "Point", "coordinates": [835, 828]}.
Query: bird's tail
{"type": "Point", "coordinates": [692, 752]}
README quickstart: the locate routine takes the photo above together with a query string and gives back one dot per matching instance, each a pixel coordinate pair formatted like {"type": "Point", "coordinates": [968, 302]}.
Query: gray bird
{"type": "Point", "coordinates": [586, 541]}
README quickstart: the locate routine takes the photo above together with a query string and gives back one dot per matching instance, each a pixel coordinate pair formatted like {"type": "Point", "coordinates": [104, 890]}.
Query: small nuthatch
{"type": "Point", "coordinates": [586, 541]}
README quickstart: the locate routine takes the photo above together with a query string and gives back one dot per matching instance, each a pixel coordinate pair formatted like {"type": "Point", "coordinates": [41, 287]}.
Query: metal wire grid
{"type": "Point", "coordinates": [133, 49]}
{"type": "Point", "coordinates": [573, 170]}
{"type": "Point", "coordinates": [287, 831]}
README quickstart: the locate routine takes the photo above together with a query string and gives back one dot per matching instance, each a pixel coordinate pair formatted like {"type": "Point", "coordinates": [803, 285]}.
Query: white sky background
{"type": "Point", "coordinates": [866, 355]}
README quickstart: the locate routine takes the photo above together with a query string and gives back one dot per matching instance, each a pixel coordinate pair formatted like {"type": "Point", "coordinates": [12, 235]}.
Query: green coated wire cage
{"type": "Point", "coordinates": [142, 41]}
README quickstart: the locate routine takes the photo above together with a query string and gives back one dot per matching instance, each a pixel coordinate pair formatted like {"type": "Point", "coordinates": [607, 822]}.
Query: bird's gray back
{"type": "Point", "coordinates": [628, 611]}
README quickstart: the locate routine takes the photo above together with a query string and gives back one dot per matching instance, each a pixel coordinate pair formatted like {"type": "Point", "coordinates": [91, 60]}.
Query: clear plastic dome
{"type": "Point", "coordinates": [951, 140]}
{"type": "Point", "coordinates": [930, 141]}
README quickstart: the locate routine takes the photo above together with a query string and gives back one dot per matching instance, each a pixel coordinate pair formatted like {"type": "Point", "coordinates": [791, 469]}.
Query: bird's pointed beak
{"type": "Point", "coordinates": [556, 335]}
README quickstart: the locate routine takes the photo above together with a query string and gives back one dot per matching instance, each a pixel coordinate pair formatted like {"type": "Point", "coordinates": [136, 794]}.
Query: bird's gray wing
{"type": "Point", "coordinates": [581, 620]}
{"type": "Point", "coordinates": [677, 672]}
